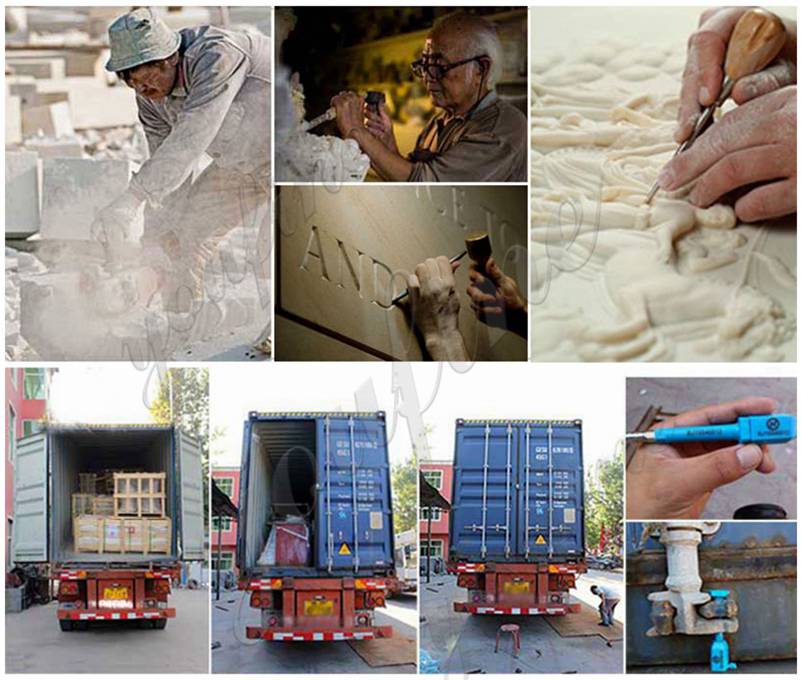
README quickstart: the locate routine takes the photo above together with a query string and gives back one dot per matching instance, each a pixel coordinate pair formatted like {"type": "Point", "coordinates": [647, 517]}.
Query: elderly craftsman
{"type": "Point", "coordinates": [203, 96]}
{"type": "Point", "coordinates": [477, 137]}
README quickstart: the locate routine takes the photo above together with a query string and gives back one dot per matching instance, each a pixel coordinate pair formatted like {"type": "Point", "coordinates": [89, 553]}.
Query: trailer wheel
{"type": "Point", "coordinates": [65, 625]}
{"type": "Point", "coordinates": [160, 624]}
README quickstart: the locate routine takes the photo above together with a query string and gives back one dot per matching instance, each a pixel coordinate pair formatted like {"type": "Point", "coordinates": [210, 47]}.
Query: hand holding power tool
{"type": "Point", "coordinates": [756, 40]}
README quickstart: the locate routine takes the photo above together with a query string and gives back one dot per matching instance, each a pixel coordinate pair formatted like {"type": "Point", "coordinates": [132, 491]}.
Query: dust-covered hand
{"type": "Point", "coordinates": [112, 226]}
{"type": "Point", "coordinates": [349, 107]}
{"type": "Point", "coordinates": [675, 481]}
{"type": "Point", "coordinates": [435, 308]}
{"type": "Point", "coordinates": [753, 144]}
{"type": "Point", "coordinates": [703, 71]}
{"type": "Point", "coordinates": [496, 298]}
{"type": "Point", "coordinates": [380, 126]}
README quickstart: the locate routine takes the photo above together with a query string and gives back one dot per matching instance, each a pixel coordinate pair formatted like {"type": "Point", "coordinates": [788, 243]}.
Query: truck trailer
{"type": "Point", "coordinates": [117, 573]}
{"type": "Point", "coordinates": [315, 544]}
{"type": "Point", "coordinates": [517, 515]}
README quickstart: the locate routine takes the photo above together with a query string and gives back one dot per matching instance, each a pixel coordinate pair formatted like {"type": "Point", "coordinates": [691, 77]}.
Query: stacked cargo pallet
{"type": "Point", "coordinates": [131, 520]}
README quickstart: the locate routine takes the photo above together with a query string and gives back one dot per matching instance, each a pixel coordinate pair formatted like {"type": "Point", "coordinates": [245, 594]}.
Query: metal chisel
{"type": "Point", "coordinates": [756, 40]}
{"type": "Point", "coordinates": [770, 429]}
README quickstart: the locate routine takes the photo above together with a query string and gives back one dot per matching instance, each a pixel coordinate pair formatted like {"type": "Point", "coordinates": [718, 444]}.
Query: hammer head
{"type": "Point", "coordinates": [478, 246]}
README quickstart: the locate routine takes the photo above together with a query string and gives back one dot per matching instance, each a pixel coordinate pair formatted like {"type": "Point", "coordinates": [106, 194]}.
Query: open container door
{"type": "Point", "coordinates": [30, 499]}
{"type": "Point", "coordinates": [191, 494]}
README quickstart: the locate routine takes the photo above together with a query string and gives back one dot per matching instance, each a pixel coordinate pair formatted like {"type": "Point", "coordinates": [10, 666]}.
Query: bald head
{"type": "Point", "coordinates": [469, 35]}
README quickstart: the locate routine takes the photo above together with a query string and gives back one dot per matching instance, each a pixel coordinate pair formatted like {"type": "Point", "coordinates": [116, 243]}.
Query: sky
{"type": "Point", "coordinates": [488, 390]}
{"type": "Point", "coordinates": [102, 393]}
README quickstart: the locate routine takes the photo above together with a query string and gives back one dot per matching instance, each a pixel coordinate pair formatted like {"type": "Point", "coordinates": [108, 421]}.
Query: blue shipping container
{"type": "Point", "coordinates": [518, 492]}
{"type": "Point", "coordinates": [330, 469]}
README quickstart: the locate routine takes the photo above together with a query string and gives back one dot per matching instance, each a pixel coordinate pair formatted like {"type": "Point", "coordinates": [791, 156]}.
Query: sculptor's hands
{"type": "Point", "coordinates": [349, 106]}
{"type": "Point", "coordinates": [752, 144]}
{"type": "Point", "coordinates": [380, 125]}
{"type": "Point", "coordinates": [703, 72]}
{"type": "Point", "coordinates": [675, 481]}
{"type": "Point", "coordinates": [496, 298]}
{"type": "Point", "coordinates": [435, 308]}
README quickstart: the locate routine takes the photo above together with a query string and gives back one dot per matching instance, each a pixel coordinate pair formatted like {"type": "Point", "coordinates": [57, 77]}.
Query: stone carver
{"type": "Point", "coordinates": [475, 137]}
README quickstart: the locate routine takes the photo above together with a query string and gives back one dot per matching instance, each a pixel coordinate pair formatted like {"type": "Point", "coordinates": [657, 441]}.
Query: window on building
{"type": "Point", "coordinates": [10, 539]}
{"type": "Point", "coordinates": [226, 560]}
{"type": "Point", "coordinates": [436, 514]}
{"type": "Point", "coordinates": [435, 547]}
{"type": "Point", "coordinates": [31, 427]}
{"type": "Point", "coordinates": [34, 383]}
{"type": "Point", "coordinates": [12, 433]}
{"type": "Point", "coordinates": [226, 485]}
{"type": "Point", "coordinates": [215, 524]}
{"type": "Point", "coordinates": [14, 377]}
{"type": "Point", "coordinates": [434, 478]}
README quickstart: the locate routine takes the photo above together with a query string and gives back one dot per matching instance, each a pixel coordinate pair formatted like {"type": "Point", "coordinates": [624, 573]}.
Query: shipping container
{"type": "Point", "coordinates": [48, 465]}
{"type": "Point", "coordinates": [517, 515]}
{"type": "Point", "coordinates": [315, 539]}
{"type": "Point", "coordinates": [755, 561]}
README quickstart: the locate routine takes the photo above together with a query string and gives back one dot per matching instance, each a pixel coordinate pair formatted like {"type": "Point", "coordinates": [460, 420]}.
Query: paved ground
{"type": "Point", "coordinates": [35, 643]}
{"type": "Point", "coordinates": [749, 667]}
{"type": "Point", "coordinates": [237, 654]}
{"type": "Point", "coordinates": [464, 643]}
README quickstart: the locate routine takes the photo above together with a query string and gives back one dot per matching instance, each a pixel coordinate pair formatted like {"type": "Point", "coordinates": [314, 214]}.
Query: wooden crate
{"type": "Point", "coordinates": [87, 482]}
{"type": "Point", "coordinates": [87, 530]}
{"type": "Point", "coordinates": [103, 505]}
{"type": "Point", "coordinates": [139, 494]}
{"type": "Point", "coordinates": [159, 535]}
{"type": "Point", "coordinates": [136, 535]}
{"type": "Point", "coordinates": [82, 504]}
{"type": "Point", "coordinates": [113, 539]}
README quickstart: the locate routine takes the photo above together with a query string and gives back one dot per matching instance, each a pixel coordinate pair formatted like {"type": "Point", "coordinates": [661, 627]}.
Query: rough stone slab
{"type": "Point", "coordinates": [23, 87]}
{"type": "Point", "coordinates": [22, 194]}
{"type": "Point", "coordinates": [74, 189]}
{"type": "Point", "coordinates": [55, 148]}
{"type": "Point", "coordinates": [51, 120]}
{"type": "Point", "coordinates": [13, 120]}
{"type": "Point", "coordinates": [37, 67]}
{"type": "Point", "coordinates": [342, 254]}
{"type": "Point", "coordinates": [99, 106]}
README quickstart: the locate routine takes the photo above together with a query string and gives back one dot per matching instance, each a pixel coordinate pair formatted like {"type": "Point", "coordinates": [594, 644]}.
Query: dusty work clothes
{"type": "Point", "coordinates": [218, 112]}
{"type": "Point", "coordinates": [487, 145]}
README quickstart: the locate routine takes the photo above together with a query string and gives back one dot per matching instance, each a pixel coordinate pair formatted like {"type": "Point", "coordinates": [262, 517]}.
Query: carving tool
{"type": "Point", "coordinates": [322, 118]}
{"type": "Point", "coordinates": [400, 297]}
{"type": "Point", "coordinates": [770, 429]}
{"type": "Point", "coordinates": [756, 40]}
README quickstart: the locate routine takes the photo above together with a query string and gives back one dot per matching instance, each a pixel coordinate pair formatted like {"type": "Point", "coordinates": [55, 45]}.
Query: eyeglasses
{"type": "Point", "coordinates": [435, 71]}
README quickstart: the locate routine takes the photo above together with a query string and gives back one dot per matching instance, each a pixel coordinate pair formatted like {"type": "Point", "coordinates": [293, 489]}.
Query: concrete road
{"type": "Point", "coordinates": [35, 643]}
{"type": "Point", "coordinates": [236, 654]}
{"type": "Point", "coordinates": [464, 643]}
{"type": "Point", "coordinates": [597, 577]}
{"type": "Point", "coordinates": [784, 666]}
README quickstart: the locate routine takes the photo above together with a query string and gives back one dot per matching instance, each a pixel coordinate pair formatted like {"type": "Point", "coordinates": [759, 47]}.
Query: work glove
{"type": "Point", "coordinates": [113, 225]}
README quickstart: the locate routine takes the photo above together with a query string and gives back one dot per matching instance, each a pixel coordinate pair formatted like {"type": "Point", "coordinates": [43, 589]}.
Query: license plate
{"type": "Point", "coordinates": [318, 608]}
{"type": "Point", "coordinates": [515, 587]}
{"type": "Point", "coordinates": [120, 593]}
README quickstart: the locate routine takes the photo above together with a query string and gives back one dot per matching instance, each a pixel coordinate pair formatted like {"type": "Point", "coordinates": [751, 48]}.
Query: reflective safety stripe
{"type": "Point", "coordinates": [476, 609]}
{"type": "Point", "coordinates": [301, 636]}
{"type": "Point", "coordinates": [112, 616]}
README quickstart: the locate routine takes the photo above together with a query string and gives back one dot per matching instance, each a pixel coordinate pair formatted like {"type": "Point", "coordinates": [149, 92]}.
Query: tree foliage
{"type": "Point", "coordinates": [604, 503]}
{"type": "Point", "coordinates": [404, 494]}
{"type": "Point", "coordinates": [183, 399]}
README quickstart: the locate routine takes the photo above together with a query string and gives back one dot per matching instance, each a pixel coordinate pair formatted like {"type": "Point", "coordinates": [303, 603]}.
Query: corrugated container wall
{"type": "Point", "coordinates": [330, 473]}
{"type": "Point", "coordinates": [518, 492]}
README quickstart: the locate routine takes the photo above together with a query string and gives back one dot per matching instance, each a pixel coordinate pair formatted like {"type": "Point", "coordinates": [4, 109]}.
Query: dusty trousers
{"type": "Point", "coordinates": [182, 236]}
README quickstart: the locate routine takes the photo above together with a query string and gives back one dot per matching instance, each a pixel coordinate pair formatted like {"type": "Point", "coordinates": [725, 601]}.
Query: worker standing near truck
{"type": "Point", "coordinates": [203, 96]}
{"type": "Point", "coordinates": [609, 600]}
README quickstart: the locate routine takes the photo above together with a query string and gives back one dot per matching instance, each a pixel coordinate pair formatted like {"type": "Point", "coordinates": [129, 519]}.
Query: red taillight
{"type": "Point", "coordinates": [69, 588]}
{"type": "Point", "coordinates": [261, 599]}
{"type": "Point", "coordinates": [379, 600]}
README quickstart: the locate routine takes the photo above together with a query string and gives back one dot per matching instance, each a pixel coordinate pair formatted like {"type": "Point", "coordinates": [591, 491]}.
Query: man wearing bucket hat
{"type": "Point", "coordinates": [203, 96]}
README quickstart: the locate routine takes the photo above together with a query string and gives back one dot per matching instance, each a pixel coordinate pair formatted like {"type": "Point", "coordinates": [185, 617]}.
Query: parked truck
{"type": "Point", "coordinates": [98, 580]}
{"type": "Point", "coordinates": [517, 515]}
{"type": "Point", "coordinates": [315, 537]}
